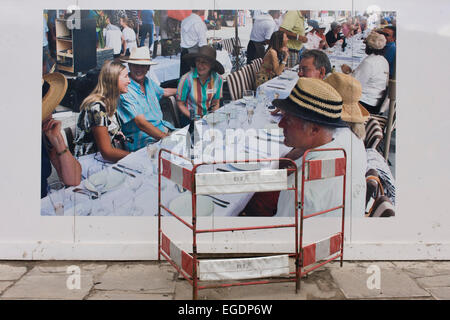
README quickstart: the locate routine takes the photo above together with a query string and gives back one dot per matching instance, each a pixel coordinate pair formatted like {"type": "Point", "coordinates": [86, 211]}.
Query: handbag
{"type": "Point", "coordinates": [377, 203]}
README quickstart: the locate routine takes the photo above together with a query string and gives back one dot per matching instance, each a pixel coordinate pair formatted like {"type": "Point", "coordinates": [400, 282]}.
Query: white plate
{"type": "Point", "coordinates": [182, 206]}
{"type": "Point", "coordinates": [215, 117]}
{"type": "Point", "coordinates": [250, 166]}
{"type": "Point", "coordinates": [115, 179]}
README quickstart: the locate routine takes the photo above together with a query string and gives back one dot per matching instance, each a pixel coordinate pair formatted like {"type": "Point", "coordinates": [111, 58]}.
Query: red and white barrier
{"type": "Point", "coordinates": [182, 259]}
{"type": "Point", "coordinates": [321, 250]}
{"type": "Point", "coordinates": [323, 169]}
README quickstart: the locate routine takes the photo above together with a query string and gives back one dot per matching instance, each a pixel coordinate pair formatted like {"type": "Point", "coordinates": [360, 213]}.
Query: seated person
{"type": "Point", "coordinates": [334, 35]}
{"type": "Point", "coordinates": [139, 109]}
{"type": "Point", "coordinates": [54, 149]}
{"type": "Point", "coordinates": [275, 59]}
{"type": "Point", "coordinates": [372, 73]}
{"type": "Point", "coordinates": [311, 115]}
{"type": "Point", "coordinates": [98, 128]}
{"type": "Point", "coordinates": [316, 123]}
{"type": "Point", "coordinates": [200, 90]}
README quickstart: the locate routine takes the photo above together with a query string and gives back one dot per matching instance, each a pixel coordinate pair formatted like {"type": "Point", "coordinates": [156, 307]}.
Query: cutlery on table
{"type": "Point", "coordinates": [123, 171]}
{"type": "Point", "coordinates": [219, 204]}
{"type": "Point", "coordinates": [219, 200]}
{"type": "Point", "coordinates": [89, 193]}
{"type": "Point", "coordinates": [128, 168]}
{"type": "Point", "coordinates": [223, 170]}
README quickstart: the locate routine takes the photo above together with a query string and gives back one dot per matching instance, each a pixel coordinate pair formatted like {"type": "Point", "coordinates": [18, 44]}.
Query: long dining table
{"type": "Point", "coordinates": [282, 85]}
{"type": "Point", "coordinates": [221, 138]}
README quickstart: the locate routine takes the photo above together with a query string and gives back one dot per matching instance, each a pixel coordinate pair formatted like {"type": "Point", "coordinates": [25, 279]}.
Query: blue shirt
{"type": "Point", "coordinates": [135, 103]}
{"type": "Point", "coordinates": [389, 54]}
{"type": "Point", "coordinates": [147, 16]}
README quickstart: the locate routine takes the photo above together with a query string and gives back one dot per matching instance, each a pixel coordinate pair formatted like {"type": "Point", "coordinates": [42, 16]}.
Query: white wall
{"type": "Point", "coordinates": [419, 231]}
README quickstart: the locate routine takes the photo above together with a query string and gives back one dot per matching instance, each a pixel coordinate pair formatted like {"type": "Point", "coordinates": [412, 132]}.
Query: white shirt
{"type": "Point", "coordinates": [113, 38]}
{"type": "Point", "coordinates": [193, 32]}
{"type": "Point", "coordinates": [373, 73]}
{"type": "Point", "coordinates": [327, 193]}
{"type": "Point", "coordinates": [263, 28]}
{"type": "Point", "coordinates": [130, 37]}
{"type": "Point", "coordinates": [313, 41]}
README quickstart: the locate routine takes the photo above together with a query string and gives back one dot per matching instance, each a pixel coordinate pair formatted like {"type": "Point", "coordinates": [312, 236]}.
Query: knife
{"type": "Point", "coordinates": [128, 168]}
{"type": "Point", "coordinates": [130, 174]}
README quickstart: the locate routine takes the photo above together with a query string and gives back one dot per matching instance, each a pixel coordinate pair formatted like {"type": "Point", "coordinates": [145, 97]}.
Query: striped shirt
{"type": "Point", "coordinates": [134, 103]}
{"type": "Point", "coordinates": [198, 96]}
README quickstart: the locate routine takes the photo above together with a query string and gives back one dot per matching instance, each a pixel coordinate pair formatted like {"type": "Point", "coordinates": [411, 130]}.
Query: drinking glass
{"type": "Point", "coordinates": [134, 182]}
{"type": "Point", "coordinates": [56, 194]}
{"type": "Point", "coordinates": [152, 152]}
{"type": "Point", "coordinates": [82, 204]}
{"type": "Point", "coordinates": [99, 180]}
{"type": "Point", "coordinates": [250, 111]}
{"type": "Point", "coordinates": [248, 95]}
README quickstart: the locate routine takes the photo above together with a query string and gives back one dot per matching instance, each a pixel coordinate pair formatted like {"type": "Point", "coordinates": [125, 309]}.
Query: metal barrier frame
{"type": "Point", "coordinates": [299, 249]}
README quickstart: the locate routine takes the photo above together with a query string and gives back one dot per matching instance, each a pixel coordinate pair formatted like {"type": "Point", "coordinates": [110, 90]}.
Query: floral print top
{"type": "Point", "coordinates": [95, 116]}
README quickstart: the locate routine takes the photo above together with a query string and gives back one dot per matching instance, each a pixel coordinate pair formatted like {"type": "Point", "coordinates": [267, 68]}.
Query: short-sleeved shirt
{"type": "Point", "coordinates": [198, 96]}
{"type": "Point", "coordinates": [130, 38]}
{"type": "Point", "coordinates": [294, 22]}
{"type": "Point", "coordinates": [263, 27]}
{"type": "Point", "coordinates": [193, 32]}
{"type": "Point", "coordinates": [135, 103]}
{"type": "Point", "coordinates": [147, 16]}
{"type": "Point", "coordinates": [332, 38]}
{"type": "Point", "coordinates": [95, 115]}
{"type": "Point", "coordinates": [389, 54]}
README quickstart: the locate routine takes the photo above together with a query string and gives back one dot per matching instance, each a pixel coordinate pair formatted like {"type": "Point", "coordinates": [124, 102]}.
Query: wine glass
{"type": "Point", "coordinates": [56, 194]}
{"type": "Point", "coordinates": [250, 111]}
{"type": "Point", "coordinates": [152, 152]}
{"type": "Point", "coordinates": [248, 95]}
{"type": "Point", "coordinates": [99, 181]}
{"type": "Point", "coordinates": [134, 182]}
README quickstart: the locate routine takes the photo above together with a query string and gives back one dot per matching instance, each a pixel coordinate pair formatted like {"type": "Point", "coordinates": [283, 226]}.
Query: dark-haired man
{"type": "Point", "coordinates": [390, 33]}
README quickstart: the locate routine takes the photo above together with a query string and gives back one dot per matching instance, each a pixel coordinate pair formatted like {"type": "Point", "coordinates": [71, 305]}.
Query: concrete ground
{"type": "Point", "coordinates": [150, 280]}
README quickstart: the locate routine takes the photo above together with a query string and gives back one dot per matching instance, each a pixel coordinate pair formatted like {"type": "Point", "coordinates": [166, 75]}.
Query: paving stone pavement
{"type": "Point", "coordinates": [150, 280]}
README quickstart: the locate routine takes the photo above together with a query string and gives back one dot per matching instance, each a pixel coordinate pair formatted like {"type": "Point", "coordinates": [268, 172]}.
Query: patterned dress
{"type": "Point", "coordinates": [95, 116]}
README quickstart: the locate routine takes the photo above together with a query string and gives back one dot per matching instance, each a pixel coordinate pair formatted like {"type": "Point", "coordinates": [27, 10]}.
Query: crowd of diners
{"type": "Point", "coordinates": [325, 109]}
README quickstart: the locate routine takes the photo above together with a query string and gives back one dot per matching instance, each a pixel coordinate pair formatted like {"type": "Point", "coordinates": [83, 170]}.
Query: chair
{"type": "Point", "coordinates": [238, 81]}
{"type": "Point", "coordinates": [374, 133]}
{"type": "Point", "coordinates": [68, 134]}
{"type": "Point", "coordinates": [377, 203]}
{"type": "Point", "coordinates": [257, 63]}
{"type": "Point", "coordinates": [250, 76]}
{"type": "Point", "coordinates": [170, 111]}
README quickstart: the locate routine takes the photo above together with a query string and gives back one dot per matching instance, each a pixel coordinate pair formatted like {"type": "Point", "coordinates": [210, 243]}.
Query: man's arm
{"type": "Point", "coordinates": [294, 36]}
{"type": "Point", "coordinates": [148, 128]}
{"type": "Point", "coordinates": [169, 92]}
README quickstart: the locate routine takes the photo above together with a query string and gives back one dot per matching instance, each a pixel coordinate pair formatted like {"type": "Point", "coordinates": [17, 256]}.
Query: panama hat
{"type": "Point", "coordinates": [376, 41]}
{"type": "Point", "coordinates": [350, 90]}
{"type": "Point", "coordinates": [140, 56]}
{"type": "Point", "coordinates": [207, 52]}
{"type": "Point", "coordinates": [313, 100]}
{"type": "Point", "coordinates": [54, 86]}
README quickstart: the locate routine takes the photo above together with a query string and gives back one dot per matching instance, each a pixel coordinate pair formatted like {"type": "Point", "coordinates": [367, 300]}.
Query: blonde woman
{"type": "Point", "coordinates": [98, 128]}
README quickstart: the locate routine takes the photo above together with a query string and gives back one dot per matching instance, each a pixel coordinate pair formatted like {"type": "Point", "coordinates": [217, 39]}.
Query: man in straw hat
{"type": "Point", "coordinates": [311, 115]}
{"type": "Point", "coordinates": [54, 149]}
{"type": "Point", "coordinates": [139, 108]}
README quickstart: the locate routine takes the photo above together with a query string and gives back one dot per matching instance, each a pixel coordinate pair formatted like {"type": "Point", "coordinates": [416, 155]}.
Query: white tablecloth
{"type": "Point", "coordinates": [118, 202]}
{"type": "Point", "coordinates": [167, 68]}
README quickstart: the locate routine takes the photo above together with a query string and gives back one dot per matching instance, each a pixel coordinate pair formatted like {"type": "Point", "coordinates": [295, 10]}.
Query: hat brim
{"type": "Point", "coordinates": [56, 92]}
{"type": "Point", "coordinates": [360, 117]}
{"type": "Point", "coordinates": [215, 65]}
{"type": "Point", "coordinates": [292, 108]}
{"type": "Point", "coordinates": [308, 29]}
{"type": "Point", "coordinates": [139, 62]}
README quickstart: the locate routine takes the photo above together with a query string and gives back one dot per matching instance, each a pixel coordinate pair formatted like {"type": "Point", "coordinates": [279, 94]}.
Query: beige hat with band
{"type": "Point", "coordinates": [140, 56]}
{"type": "Point", "coordinates": [54, 86]}
{"type": "Point", "coordinates": [350, 90]}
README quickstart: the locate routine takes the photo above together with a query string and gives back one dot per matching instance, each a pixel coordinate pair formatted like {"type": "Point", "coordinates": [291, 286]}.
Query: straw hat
{"type": "Point", "coordinates": [350, 90]}
{"type": "Point", "coordinates": [140, 56]}
{"type": "Point", "coordinates": [54, 86]}
{"type": "Point", "coordinates": [313, 100]}
{"type": "Point", "coordinates": [208, 53]}
{"type": "Point", "coordinates": [376, 41]}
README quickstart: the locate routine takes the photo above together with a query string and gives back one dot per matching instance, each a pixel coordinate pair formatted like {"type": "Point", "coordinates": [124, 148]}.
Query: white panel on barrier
{"type": "Point", "coordinates": [238, 182]}
{"type": "Point", "coordinates": [247, 268]}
